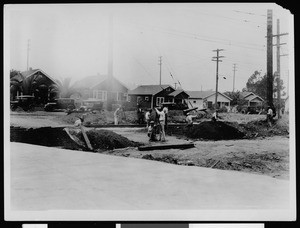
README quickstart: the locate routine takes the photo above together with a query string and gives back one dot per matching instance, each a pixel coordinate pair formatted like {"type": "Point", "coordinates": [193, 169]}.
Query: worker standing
{"type": "Point", "coordinates": [215, 116]}
{"type": "Point", "coordinates": [116, 115]}
{"type": "Point", "coordinates": [270, 116]}
{"type": "Point", "coordinates": [147, 117]}
{"type": "Point", "coordinates": [165, 109]}
{"type": "Point", "coordinates": [161, 113]}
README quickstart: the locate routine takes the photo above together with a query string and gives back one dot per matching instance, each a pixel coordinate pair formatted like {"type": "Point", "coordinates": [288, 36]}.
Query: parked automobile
{"type": "Point", "coordinates": [174, 106]}
{"type": "Point", "coordinates": [26, 102]}
{"type": "Point", "coordinates": [60, 103]}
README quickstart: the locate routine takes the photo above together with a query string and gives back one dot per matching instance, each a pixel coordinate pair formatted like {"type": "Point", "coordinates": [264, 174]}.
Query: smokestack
{"type": "Point", "coordinates": [110, 47]}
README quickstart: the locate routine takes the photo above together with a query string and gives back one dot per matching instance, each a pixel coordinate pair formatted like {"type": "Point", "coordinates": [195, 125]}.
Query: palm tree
{"type": "Point", "coordinates": [64, 87]}
{"type": "Point", "coordinates": [16, 80]}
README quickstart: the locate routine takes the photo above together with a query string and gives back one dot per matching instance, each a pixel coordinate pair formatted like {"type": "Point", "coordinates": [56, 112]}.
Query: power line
{"type": "Point", "coordinates": [234, 70]}
{"type": "Point", "coordinates": [217, 59]}
{"type": "Point", "coordinates": [201, 37]}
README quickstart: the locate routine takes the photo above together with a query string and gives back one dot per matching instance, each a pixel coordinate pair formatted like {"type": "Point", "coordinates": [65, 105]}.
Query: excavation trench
{"type": "Point", "coordinates": [100, 140]}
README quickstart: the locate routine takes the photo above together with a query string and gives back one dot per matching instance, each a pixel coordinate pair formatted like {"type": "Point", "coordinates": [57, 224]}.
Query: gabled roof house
{"type": "Point", "coordinates": [206, 99]}
{"type": "Point", "coordinates": [252, 98]}
{"type": "Point", "coordinates": [149, 96]}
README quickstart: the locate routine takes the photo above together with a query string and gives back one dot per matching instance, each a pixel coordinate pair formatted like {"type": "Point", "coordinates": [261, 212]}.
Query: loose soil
{"type": "Point", "coordinates": [216, 143]}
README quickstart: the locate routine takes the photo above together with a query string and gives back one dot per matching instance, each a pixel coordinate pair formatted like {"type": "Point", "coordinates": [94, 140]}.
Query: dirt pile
{"type": "Point", "coordinates": [105, 140]}
{"type": "Point", "coordinates": [58, 137]}
{"type": "Point", "coordinates": [261, 128]}
{"type": "Point", "coordinates": [44, 136]}
{"type": "Point", "coordinates": [214, 131]}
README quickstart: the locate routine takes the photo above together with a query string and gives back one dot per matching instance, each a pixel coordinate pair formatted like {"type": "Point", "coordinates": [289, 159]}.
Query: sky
{"type": "Point", "coordinates": [72, 40]}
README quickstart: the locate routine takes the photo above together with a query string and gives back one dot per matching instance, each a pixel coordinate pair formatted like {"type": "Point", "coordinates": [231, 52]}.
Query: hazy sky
{"type": "Point", "coordinates": [72, 41]}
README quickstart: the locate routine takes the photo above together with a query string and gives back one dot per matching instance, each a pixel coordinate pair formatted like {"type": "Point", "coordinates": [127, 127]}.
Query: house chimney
{"type": "Point", "coordinates": [110, 47]}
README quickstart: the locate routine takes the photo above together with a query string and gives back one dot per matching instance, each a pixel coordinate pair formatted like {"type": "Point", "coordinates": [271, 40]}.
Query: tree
{"type": "Point", "coordinates": [64, 87]}
{"type": "Point", "coordinates": [258, 85]}
{"type": "Point", "coordinates": [237, 99]}
{"type": "Point", "coordinates": [16, 80]}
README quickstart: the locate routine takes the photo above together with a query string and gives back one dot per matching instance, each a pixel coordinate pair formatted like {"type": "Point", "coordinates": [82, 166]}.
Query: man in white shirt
{"type": "Point", "coordinates": [165, 110]}
{"type": "Point", "coordinates": [270, 116]}
{"type": "Point", "coordinates": [147, 117]}
{"type": "Point", "coordinates": [162, 136]}
{"type": "Point", "coordinates": [189, 119]}
{"type": "Point", "coordinates": [78, 122]}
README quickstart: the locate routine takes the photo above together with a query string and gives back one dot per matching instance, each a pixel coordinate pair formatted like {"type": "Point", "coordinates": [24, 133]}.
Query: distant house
{"type": "Point", "coordinates": [108, 90]}
{"type": "Point", "coordinates": [149, 96]}
{"type": "Point", "coordinates": [206, 99]}
{"type": "Point", "coordinates": [37, 83]}
{"type": "Point", "coordinates": [178, 96]}
{"type": "Point", "coordinates": [253, 99]}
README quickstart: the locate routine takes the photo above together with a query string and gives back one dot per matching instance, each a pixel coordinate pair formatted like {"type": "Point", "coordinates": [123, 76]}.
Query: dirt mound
{"type": "Point", "coordinates": [58, 137]}
{"type": "Point", "coordinates": [44, 136]}
{"type": "Point", "coordinates": [214, 131]}
{"type": "Point", "coordinates": [261, 128]}
{"type": "Point", "coordinates": [105, 139]}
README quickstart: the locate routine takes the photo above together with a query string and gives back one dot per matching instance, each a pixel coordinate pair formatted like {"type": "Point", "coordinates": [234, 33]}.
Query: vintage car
{"type": "Point", "coordinates": [26, 102]}
{"type": "Point", "coordinates": [60, 104]}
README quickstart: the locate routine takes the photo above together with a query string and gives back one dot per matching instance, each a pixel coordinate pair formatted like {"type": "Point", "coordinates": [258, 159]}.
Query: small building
{"type": "Point", "coordinates": [150, 96]}
{"type": "Point", "coordinates": [178, 96]}
{"type": "Point", "coordinates": [253, 99]}
{"type": "Point", "coordinates": [206, 99]}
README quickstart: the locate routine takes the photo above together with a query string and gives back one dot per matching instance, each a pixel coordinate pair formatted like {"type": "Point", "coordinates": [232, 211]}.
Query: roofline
{"type": "Point", "coordinates": [249, 93]}
{"type": "Point", "coordinates": [219, 93]}
{"type": "Point", "coordinates": [52, 79]}
{"type": "Point", "coordinates": [107, 77]}
{"type": "Point", "coordinates": [256, 96]}
{"type": "Point", "coordinates": [151, 93]}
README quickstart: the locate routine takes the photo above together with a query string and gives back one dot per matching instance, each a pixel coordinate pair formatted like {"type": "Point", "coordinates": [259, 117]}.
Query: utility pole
{"type": "Point", "coordinates": [234, 70]}
{"type": "Point", "coordinates": [28, 48]}
{"type": "Point", "coordinates": [175, 84]}
{"type": "Point", "coordinates": [278, 65]}
{"type": "Point", "coordinates": [217, 59]}
{"type": "Point", "coordinates": [269, 57]}
{"type": "Point", "coordinates": [159, 63]}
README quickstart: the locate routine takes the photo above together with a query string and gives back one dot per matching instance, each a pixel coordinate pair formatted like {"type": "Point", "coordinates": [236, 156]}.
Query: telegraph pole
{"type": "Point", "coordinates": [269, 57]}
{"type": "Point", "coordinates": [217, 59]}
{"type": "Point", "coordinates": [278, 65]}
{"type": "Point", "coordinates": [28, 48]}
{"type": "Point", "coordinates": [159, 63]}
{"type": "Point", "coordinates": [234, 70]}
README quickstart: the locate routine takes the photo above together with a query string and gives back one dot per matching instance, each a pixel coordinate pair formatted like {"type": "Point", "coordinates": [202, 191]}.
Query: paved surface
{"type": "Point", "coordinates": [45, 178]}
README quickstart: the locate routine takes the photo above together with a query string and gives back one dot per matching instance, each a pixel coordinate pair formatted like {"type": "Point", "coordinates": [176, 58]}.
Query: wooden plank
{"type": "Point", "coordinates": [167, 146]}
{"type": "Point", "coordinates": [87, 141]}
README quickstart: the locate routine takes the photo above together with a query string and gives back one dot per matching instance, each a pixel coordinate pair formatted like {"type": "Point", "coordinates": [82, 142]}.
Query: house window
{"type": "Point", "coordinates": [99, 94]}
{"type": "Point", "coordinates": [159, 100]}
{"type": "Point", "coordinates": [209, 104]}
{"type": "Point", "coordinates": [168, 89]}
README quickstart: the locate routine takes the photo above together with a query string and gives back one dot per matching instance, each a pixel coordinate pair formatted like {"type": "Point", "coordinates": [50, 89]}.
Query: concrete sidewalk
{"type": "Point", "coordinates": [45, 178]}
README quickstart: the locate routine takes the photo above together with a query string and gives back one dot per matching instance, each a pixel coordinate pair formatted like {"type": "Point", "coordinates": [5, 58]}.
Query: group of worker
{"type": "Point", "coordinates": [157, 122]}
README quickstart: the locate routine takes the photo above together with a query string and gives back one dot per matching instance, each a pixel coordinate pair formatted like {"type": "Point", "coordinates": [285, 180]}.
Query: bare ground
{"type": "Point", "coordinates": [262, 155]}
